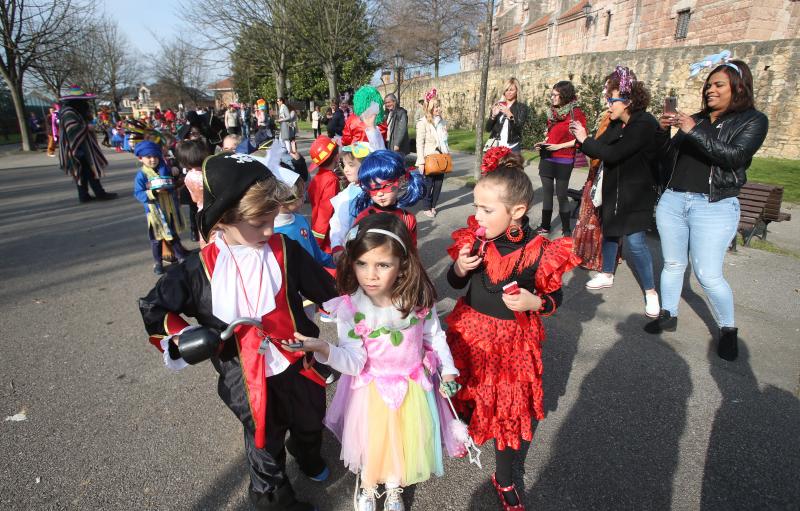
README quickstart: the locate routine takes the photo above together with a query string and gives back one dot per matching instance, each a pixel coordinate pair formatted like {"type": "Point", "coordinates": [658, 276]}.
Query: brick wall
{"type": "Point", "coordinates": [773, 63]}
{"type": "Point", "coordinates": [638, 24]}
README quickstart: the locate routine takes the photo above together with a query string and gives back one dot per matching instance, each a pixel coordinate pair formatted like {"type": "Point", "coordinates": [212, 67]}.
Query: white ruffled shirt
{"type": "Point", "coordinates": [251, 295]}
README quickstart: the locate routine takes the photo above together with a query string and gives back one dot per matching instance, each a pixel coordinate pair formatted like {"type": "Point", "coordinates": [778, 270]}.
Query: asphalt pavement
{"type": "Point", "coordinates": [92, 419]}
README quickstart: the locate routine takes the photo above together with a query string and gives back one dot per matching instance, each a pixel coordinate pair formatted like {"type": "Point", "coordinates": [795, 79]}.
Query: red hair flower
{"type": "Point", "coordinates": [492, 158]}
{"type": "Point", "coordinates": [430, 95]}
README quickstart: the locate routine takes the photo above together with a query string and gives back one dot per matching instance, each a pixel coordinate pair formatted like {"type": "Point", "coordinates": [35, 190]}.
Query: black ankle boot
{"type": "Point", "coordinates": [728, 348]}
{"type": "Point", "coordinates": [566, 225]}
{"type": "Point", "coordinates": [664, 323]}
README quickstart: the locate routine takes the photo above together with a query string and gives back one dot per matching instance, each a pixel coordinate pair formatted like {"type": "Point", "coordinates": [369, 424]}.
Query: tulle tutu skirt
{"type": "Point", "coordinates": [402, 446]}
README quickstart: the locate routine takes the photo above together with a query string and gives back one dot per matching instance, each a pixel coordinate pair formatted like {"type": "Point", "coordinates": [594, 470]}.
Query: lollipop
{"type": "Point", "coordinates": [480, 233]}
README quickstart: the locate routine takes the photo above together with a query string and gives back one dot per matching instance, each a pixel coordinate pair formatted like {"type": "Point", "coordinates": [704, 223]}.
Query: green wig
{"type": "Point", "coordinates": [364, 97]}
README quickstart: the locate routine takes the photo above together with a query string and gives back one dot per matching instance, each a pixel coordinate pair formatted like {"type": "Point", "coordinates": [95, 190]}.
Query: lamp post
{"type": "Point", "coordinates": [398, 73]}
{"type": "Point", "coordinates": [587, 11]}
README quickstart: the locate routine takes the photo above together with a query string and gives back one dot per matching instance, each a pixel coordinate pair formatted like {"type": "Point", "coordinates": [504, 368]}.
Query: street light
{"type": "Point", "coordinates": [398, 66]}
{"type": "Point", "coordinates": [587, 11]}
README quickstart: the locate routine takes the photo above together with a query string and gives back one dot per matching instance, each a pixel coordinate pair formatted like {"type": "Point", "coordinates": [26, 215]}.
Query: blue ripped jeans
{"type": "Point", "coordinates": [692, 227]}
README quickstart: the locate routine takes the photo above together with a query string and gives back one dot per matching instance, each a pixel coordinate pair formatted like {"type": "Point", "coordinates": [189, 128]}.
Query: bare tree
{"type": "Point", "coordinates": [29, 31]}
{"type": "Point", "coordinates": [88, 69]}
{"type": "Point", "coordinates": [431, 35]}
{"type": "Point", "coordinates": [181, 67]}
{"type": "Point", "coordinates": [55, 69]}
{"type": "Point", "coordinates": [252, 31]}
{"type": "Point", "coordinates": [121, 67]}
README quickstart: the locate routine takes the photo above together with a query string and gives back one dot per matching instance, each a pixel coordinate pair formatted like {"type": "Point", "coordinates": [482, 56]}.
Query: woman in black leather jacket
{"type": "Point", "coordinates": [704, 166]}
{"type": "Point", "coordinates": [508, 117]}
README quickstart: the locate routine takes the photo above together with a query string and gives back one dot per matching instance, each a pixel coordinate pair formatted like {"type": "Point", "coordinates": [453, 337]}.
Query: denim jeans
{"type": "Point", "coordinates": [692, 227]}
{"type": "Point", "coordinates": [641, 259]}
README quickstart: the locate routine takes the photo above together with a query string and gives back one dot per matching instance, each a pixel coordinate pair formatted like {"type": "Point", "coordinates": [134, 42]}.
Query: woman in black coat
{"type": "Point", "coordinates": [627, 150]}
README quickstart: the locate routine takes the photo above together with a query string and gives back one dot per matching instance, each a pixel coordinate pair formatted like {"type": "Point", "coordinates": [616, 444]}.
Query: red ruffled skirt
{"type": "Point", "coordinates": [501, 372]}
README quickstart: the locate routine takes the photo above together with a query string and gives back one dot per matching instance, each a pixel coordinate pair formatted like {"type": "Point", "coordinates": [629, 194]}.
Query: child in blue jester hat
{"type": "Point", "coordinates": [154, 187]}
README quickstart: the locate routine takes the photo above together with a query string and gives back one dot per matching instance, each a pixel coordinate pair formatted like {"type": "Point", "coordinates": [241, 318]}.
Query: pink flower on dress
{"type": "Point", "coordinates": [422, 313]}
{"type": "Point", "coordinates": [361, 328]}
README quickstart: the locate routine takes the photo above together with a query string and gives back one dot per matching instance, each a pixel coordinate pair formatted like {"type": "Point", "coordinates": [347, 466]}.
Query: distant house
{"type": "Point", "coordinates": [139, 101]}
{"type": "Point", "coordinates": [224, 94]}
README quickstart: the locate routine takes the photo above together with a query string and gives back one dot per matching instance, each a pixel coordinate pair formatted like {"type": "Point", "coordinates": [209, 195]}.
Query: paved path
{"type": "Point", "coordinates": [634, 422]}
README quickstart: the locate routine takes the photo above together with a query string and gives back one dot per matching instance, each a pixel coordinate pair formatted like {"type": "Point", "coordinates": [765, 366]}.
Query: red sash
{"type": "Point", "coordinates": [278, 324]}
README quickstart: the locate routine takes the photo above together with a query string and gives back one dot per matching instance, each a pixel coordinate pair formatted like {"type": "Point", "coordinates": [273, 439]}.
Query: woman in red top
{"type": "Point", "coordinates": [558, 155]}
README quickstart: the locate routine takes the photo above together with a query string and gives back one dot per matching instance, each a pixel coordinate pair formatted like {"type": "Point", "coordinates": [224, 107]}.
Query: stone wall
{"type": "Point", "coordinates": [773, 63]}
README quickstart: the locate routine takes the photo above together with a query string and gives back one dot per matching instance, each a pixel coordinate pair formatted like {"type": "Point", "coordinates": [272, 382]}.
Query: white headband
{"type": "Point", "coordinates": [354, 232]}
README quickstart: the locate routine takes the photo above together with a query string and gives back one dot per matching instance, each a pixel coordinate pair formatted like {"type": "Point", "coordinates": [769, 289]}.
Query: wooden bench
{"type": "Point", "coordinates": [760, 204]}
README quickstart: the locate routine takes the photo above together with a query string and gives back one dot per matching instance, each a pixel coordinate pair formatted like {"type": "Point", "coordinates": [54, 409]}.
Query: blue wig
{"type": "Point", "coordinates": [387, 165]}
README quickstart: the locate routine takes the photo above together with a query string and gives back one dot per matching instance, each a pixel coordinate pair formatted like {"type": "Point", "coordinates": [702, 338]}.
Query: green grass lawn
{"type": "Point", "coordinates": [776, 171]}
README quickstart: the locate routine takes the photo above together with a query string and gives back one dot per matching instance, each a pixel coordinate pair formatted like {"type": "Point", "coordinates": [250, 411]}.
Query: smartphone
{"type": "Point", "coordinates": [571, 114]}
{"type": "Point", "coordinates": [512, 288]}
{"type": "Point", "coordinates": [670, 105]}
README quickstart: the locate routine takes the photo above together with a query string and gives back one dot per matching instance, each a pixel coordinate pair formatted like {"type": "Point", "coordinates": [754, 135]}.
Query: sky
{"type": "Point", "coordinates": [139, 19]}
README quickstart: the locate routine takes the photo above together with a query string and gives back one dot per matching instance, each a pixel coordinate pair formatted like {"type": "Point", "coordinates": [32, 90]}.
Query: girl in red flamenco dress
{"type": "Point", "coordinates": [513, 277]}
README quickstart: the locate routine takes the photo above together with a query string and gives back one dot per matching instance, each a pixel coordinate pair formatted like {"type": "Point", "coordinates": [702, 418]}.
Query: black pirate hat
{"type": "Point", "coordinates": [226, 178]}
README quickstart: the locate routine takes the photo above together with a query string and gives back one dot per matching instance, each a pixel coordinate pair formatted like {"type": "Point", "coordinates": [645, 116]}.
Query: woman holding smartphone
{"type": "Point", "coordinates": [705, 165]}
{"type": "Point", "coordinates": [626, 149]}
{"type": "Point", "coordinates": [508, 117]}
{"type": "Point", "coordinates": [558, 155]}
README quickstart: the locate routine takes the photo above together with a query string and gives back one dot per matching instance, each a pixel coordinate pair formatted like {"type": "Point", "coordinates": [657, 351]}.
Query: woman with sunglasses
{"type": "Point", "coordinates": [626, 149]}
{"type": "Point", "coordinates": [705, 165]}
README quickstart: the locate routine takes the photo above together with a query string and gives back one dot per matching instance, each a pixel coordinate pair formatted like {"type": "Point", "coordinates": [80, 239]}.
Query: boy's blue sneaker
{"type": "Point", "coordinates": [326, 318]}
{"type": "Point", "coordinates": [321, 476]}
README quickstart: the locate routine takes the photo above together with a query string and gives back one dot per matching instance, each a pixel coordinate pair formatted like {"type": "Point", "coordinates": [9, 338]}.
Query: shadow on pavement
{"type": "Point", "coordinates": [618, 447]}
{"type": "Point", "coordinates": [226, 487]}
{"type": "Point", "coordinates": [753, 456]}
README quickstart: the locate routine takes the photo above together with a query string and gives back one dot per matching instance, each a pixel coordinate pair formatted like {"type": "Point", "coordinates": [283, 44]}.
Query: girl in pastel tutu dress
{"type": "Point", "coordinates": [392, 422]}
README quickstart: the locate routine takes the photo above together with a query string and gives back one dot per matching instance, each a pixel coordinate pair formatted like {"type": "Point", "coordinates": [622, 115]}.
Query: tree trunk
{"type": "Point", "coordinates": [486, 50]}
{"type": "Point", "coordinates": [329, 68]}
{"type": "Point", "coordinates": [19, 109]}
{"type": "Point", "coordinates": [280, 83]}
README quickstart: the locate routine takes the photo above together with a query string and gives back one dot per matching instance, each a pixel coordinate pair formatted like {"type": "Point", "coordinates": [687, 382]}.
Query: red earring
{"type": "Point", "coordinates": [514, 233]}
